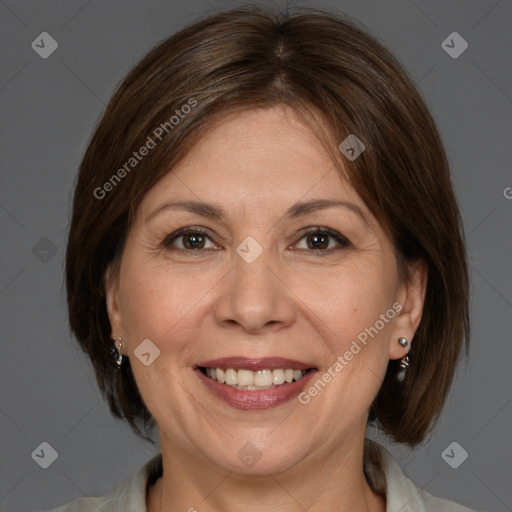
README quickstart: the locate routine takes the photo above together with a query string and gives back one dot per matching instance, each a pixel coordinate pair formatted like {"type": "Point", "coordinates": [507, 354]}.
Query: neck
{"type": "Point", "coordinates": [335, 482]}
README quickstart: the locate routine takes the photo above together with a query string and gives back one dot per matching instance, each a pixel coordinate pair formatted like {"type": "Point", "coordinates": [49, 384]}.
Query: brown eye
{"type": "Point", "coordinates": [194, 241]}
{"type": "Point", "coordinates": [320, 239]}
{"type": "Point", "coordinates": [188, 239]}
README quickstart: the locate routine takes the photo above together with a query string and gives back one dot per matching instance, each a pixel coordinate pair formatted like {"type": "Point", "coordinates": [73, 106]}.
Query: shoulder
{"type": "Point", "coordinates": [130, 496]}
{"type": "Point", "coordinates": [404, 495]}
{"type": "Point", "coordinates": [93, 504]}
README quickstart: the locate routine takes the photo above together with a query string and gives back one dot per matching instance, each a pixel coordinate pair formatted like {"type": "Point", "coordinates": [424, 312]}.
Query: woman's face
{"type": "Point", "coordinates": [257, 282]}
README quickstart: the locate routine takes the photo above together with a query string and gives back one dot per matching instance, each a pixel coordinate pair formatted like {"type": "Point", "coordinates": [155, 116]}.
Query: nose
{"type": "Point", "coordinates": [255, 296]}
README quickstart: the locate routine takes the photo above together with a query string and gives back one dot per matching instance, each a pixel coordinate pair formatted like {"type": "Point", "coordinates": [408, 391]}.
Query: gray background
{"type": "Point", "coordinates": [49, 108]}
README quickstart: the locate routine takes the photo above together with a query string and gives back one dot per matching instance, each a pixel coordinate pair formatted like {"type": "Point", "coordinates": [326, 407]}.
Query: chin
{"type": "Point", "coordinates": [260, 459]}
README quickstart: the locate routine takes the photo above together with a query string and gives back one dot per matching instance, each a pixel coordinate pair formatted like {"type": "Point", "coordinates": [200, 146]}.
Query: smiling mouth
{"type": "Point", "coordinates": [249, 380]}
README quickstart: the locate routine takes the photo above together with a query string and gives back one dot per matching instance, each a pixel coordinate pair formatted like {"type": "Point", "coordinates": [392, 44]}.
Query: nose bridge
{"type": "Point", "coordinates": [254, 297]}
{"type": "Point", "coordinates": [252, 265]}
{"type": "Point", "coordinates": [253, 281]}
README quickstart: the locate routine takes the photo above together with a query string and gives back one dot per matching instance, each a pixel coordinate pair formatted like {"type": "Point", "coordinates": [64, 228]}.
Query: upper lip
{"type": "Point", "coordinates": [247, 363]}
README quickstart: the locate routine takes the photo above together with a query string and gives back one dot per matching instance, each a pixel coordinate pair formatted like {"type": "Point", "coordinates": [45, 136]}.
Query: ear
{"type": "Point", "coordinates": [411, 297]}
{"type": "Point", "coordinates": [112, 301]}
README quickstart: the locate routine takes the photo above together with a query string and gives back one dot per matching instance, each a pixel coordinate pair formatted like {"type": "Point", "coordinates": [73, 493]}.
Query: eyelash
{"type": "Point", "coordinates": [343, 241]}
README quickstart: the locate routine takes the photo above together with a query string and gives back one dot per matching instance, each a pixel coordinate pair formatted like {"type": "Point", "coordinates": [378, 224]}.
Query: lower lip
{"type": "Point", "coordinates": [252, 400]}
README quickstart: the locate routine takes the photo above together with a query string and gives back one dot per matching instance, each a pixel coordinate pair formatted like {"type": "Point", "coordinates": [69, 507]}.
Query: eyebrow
{"type": "Point", "coordinates": [297, 210]}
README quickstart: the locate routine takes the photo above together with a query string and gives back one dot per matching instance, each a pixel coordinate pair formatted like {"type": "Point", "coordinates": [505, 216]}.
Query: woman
{"type": "Point", "coordinates": [266, 254]}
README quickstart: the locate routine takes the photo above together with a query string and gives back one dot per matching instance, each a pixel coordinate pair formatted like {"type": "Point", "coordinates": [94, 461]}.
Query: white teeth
{"type": "Point", "coordinates": [249, 380]}
{"type": "Point", "coordinates": [245, 378]}
{"type": "Point", "coordinates": [263, 378]}
{"type": "Point", "coordinates": [231, 377]}
{"type": "Point", "coordinates": [278, 377]}
{"type": "Point", "coordinates": [253, 388]}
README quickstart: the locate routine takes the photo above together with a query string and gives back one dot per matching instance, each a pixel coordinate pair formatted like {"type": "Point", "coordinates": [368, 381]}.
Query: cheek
{"type": "Point", "coordinates": [154, 302]}
{"type": "Point", "coordinates": [350, 302]}
{"type": "Point", "coordinates": [159, 306]}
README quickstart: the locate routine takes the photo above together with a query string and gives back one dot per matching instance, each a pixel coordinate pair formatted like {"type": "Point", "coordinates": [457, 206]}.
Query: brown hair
{"type": "Point", "coordinates": [317, 63]}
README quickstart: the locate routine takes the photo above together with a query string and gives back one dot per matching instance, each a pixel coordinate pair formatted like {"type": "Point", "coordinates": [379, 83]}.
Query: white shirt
{"type": "Point", "coordinates": [402, 495]}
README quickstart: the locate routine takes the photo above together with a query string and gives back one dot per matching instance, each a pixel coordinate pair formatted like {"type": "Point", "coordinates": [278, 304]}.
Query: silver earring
{"type": "Point", "coordinates": [404, 363]}
{"type": "Point", "coordinates": [403, 342]}
{"type": "Point", "coordinates": [116, 352]}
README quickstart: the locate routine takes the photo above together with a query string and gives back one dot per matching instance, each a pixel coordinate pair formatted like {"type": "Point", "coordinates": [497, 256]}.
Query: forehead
{"type": "Point", "coordinates": [260, 159]}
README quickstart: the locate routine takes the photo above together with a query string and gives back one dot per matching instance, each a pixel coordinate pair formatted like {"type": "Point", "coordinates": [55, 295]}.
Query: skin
{"type": "Point", "coordinates": [293, 301]}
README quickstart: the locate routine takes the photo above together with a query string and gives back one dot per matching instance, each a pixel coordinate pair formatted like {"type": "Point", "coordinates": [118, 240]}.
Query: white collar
{"type": "Point", "coordinates": [402, 495]}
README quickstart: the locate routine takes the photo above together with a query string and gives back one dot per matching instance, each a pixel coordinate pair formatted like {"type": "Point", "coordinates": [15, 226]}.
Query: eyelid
{"type": "Point", "coordinates": [167, 241]}
{"type": "Point", "coordinates": [342, 240]}
{"type": "Point", "coordinates": [336, 235]}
